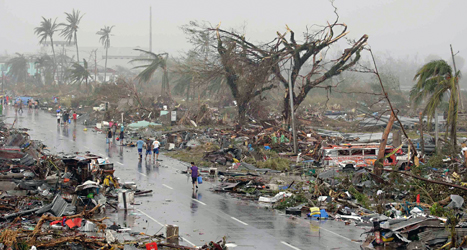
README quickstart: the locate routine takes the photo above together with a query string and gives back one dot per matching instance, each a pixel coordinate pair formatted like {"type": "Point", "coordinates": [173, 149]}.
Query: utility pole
{"type": "Point", "coordinates": [436, 129]}
{"type": "Point", "coordinates": [457, 82]}
{"type": "Point", "coordinates": [292, 115]}
{"type": "Point", "coordinates": [150, 28]}
{"type": "Point", "coordinates": [95, 65]}
{"type": "Point", "coordinates": [3, 78]}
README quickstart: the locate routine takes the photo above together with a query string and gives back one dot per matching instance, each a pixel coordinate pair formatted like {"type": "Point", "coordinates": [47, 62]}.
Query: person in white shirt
{"type": "Point", "coordinates": [59, 115]}
{"type": "Point", "coordinates": [155, 149]}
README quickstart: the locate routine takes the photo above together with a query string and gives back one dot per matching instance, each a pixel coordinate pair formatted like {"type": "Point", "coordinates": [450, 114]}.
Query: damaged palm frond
{"type": "Point", "coordinates": [79, 73]}
{"type": "Point", "coordinates": [155, 61]}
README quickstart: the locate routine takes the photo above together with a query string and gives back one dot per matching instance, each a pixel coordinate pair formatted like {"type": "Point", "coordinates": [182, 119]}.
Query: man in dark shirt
{"type": "Point", "coordinates": [194, 175]}
{"type": "Point", "coordinates": [66, 116]}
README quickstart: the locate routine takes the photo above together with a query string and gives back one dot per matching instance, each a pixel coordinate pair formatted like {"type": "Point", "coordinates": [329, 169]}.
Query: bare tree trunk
{"type": "Point", "coordinates": [422, 142]}
{"type": "Point", "coordinates": [105, 68]}
{"type": "Point", "coordinates": [454, 136]}
{"type": "Point", "coordinates": [382, 145]}
{"type": "Point", "coordinates": [77, 51]}
{"type": "Point", "coordinates": [55, 59]}
{"type": "Point", "coordinates": [242, 108]}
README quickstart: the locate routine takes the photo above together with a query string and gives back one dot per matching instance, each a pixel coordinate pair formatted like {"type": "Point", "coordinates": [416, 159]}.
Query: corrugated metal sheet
{"type": "Point", "coordinates": [59, 206]}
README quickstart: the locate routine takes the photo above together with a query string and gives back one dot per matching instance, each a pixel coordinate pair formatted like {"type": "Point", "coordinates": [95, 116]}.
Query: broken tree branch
{"type": "Point", "coordinates": [424, 179]}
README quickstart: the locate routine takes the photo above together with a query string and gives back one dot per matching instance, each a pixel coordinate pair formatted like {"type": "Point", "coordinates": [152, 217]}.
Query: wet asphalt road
{"type": "Point", "coordinates": [202, 216]}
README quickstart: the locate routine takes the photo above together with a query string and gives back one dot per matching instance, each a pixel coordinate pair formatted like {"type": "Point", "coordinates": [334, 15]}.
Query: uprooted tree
{"type": "Point", "coordinates": [321, 69]}
{"type": "Point", "coordinates": [246, 74]}
{"type": "Point", "coordinates": [284, 60]}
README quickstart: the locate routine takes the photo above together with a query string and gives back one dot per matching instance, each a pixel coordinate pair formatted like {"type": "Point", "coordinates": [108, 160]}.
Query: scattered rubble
{"type": "Point", "coordinates": [60, 201]}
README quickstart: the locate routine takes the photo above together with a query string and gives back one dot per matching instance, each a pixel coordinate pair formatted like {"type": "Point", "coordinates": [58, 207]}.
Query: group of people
{"type": "Point", "coordinates": [19, 106]}
{"type": "Point", "coordinates": [6, 100]}
{"type": "Point", "coordinates": [33, 104]}
{"type": "Point", "coordinates": [66, 117]}
{"type": "Point", "coordinates": [111, 133]}
{"type": "Point", "coordinates": [152, 148]}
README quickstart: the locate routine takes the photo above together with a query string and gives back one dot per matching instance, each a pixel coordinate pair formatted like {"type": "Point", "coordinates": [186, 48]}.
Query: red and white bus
{"type": "Point", "coordinates": [356, 155]}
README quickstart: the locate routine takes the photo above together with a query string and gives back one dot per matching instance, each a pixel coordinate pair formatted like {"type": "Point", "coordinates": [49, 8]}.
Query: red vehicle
{"type": "Point", "coordinates": [356, 155]}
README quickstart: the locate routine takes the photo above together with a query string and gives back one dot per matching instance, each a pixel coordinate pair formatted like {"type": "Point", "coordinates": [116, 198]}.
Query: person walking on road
{"type": "Point", "coordinates": [109, 137]}
{"type": "Point", "coordinates": [74, 117]}
{"type": "Point", "coordinates": [155, 149]}
{"type": "Point", "coordinates": [139, 145]}
{"type": "Point", "coordinates": [66, 116]}
{"type": "Point", "coordinates": [148, 147]}
{"type": "Point", "coordinates": [59, 115]}
{"type": "Point", "coordinates": [114, 128]}
{"type": "Point", "coordinates": [194, 175]}
{"type": "Point", "coordinates": [20, 106]}
{"type": "Point", "coordinates": [122, 134]}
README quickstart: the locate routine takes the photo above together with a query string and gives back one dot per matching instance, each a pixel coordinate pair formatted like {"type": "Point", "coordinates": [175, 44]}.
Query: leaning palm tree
{"type": "Point", "coordinates": [105, 40]}
{"type": "Point", "coordinates": [18, 68]}
{"type": "Point", "coordinates": [435, 81]}
{"type": "Point", "coordinates": [154, 61]}
{"type": "Point", "coordinates": [70, 29]}
{"type": "Point", "coordinates": [79, 72]}
{"type": "Point", "coordinates": [47, 30]}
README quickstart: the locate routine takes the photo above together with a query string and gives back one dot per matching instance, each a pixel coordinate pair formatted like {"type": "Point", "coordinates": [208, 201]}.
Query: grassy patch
{"type": "Point", "coordinates": [193, 154]}
{"type": "Point", "coordinates": [279, 164]}
{"type": "Point", "coordinates": [273, 161]}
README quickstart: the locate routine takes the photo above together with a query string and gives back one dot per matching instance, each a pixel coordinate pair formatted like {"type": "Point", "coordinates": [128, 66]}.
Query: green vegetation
{"type": "Point", "coordinates": [436, 160]}
{"type": "Point", "coordinates": [194, 155]}
{"type": "Point", "coordinates": [291, 201]}
{"type": "Point", "coordinates": [274, 161]}
{"type": "Point", "coordinates": [279, 164]}
{"type": "Point", "coordinates": [437, 210]}
{"type": "Point", "coordinates": [361, 198]}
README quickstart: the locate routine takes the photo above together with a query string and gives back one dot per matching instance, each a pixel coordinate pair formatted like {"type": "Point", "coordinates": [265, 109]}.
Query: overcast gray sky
{"type": "Point", "coordinates": [397, 27]}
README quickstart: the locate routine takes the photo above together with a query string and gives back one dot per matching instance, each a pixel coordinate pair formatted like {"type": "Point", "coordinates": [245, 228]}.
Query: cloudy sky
{"type": "Point", "coordinates": [397, 27]}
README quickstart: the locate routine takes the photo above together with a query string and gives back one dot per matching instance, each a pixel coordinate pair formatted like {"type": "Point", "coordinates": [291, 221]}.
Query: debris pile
{"type": "Point", "coordinates": [60, 201]}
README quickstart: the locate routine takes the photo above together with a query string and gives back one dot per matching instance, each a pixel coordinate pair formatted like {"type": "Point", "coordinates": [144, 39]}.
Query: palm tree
{"type": "Point", "coordinates": [45, 65]}
{"type": "Point", "coordinates": [155, 61]}
{"type": "Point", "coordinates": [47, 30]}
{"type": "Point", "coordinates": [436, 80]}
{"type": "Point", "coordinates": [105, 40]}
{"type": "Point", "coordinates": [18, 68]}
{"type": "Point", "coordinates": [71, 28]}
{"type": "Point", "coordinates": [79, 72]}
